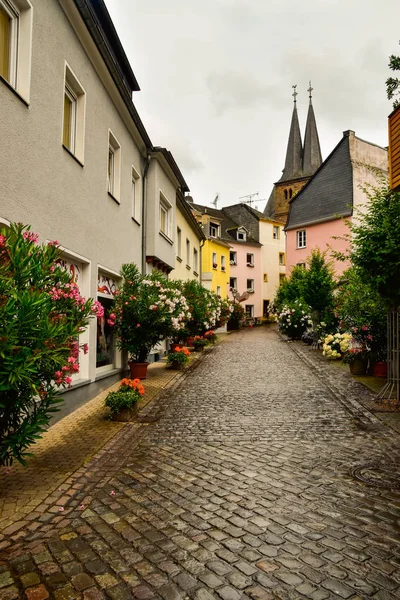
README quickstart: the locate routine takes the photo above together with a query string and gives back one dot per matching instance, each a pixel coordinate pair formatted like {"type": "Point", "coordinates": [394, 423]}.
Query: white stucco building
{"type": "Point", "coordinates": [76, 162]}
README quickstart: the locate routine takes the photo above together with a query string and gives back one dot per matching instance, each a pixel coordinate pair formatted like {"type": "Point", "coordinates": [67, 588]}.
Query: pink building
{"type": "Point", "coordinates": [246, 272]}
{"type": "Point", "coordinates": [318, 212]}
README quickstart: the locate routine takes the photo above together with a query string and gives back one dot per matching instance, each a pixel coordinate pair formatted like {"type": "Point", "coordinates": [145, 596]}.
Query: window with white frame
{"type": "Point", "coordinates": [135, 195]}
{"type": "Point", "coordinates": [233, 283]}
{"type": "Point", "coordinates": [241, 235]}
{"type": "Point", "coordinates": [275, 232]}
{"type": "Point", "coordinates": [16, 44]}
{"type": "Point", "coordinates": [250, 260]}
{"type": "Point", "coordinates": [214, 229]}
{"type": "Point", "coordinates": [74, 115]}
{"type": "Point", "coordinates": [301, 238]}
{"type": "Point", "coordinates": [195, 260]}
{"type": "Point", "coordinates": [214, 260]}
{"type": "Point", "coordinates": [187, 253]}
{"type": "Point", "coordinates": [165, 216]}
{"type": "Point", "coordinates": [250, 285]}
{"type": "Point", "coordinates": [179, 242]}
{"type": "Point", "coordinates": [114, 167]}
{"type": "Point", "coordinates": [223, 263]}
{"type": "Point", "coordinates": [233, 258]}
{"type": "Point", "coordinates": [282, 258]}
{"type": "Point", "coordinates": [218, 290]}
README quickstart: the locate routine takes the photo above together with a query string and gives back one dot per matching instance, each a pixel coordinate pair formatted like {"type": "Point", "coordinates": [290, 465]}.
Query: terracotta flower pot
{"type": "Point", "coordinates": [125, 414]}
{"type": "Point", "coordinates": [359, 366]}
{"type": "Point", "coordinates": [176, 366]}
{"type": "Point", "coordinates": [173, 346]}
{"type": "Point", "coordinates": [138, 370]}
{"type": "Point", "coordinates": [379, 369]}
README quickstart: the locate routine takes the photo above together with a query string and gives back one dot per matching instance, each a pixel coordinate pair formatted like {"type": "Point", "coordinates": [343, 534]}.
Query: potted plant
{"type": "Point", "coordinates": [148, 309]}
{"type": "Point", "coordinates": [178, 358]}
{"type": "Point", "coordinates": [210, 336]}
{"type": "Point", "coordinates": [200, 343]}
{"type": "Point", "coordinates": [123, 403]}
{"type": "Point", "coordinates": [357, 359]}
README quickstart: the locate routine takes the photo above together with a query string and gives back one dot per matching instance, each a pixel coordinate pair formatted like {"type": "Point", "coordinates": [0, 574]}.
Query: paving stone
{"type": "Point", "coordinates": [210, 579]}
{"type": "Point", "coordinates": [38, 592]}
{"type": "Point", "coordinates": [65, 593]}
{"type": "Point", "coordinates": [228, 593]}
{"type": "Point", "coordinates": [93, 594]}
{"type": "Point", "coordinates": [219, 567]}
{"type": "Point", "coordinates": [203, 594]}
{"type": "Point", "coordinates": [27, 580]}
{"type": "Point", "coordinates": [118, 592]}
{"type": "Point", "coordinates": [238, 580]}
{"type": "Point", "coordinates": [338, 588]}
{"type": "Point", "coordinates": [185, 581]}
{"type": "Point", "coordinates": [9, 593]}
{"type": "Point", "coordinates": [170, 592]}
{"type": "Point", "coordinates": [82, 581]}
{"type": "Point", "coordinates": [258, 593]}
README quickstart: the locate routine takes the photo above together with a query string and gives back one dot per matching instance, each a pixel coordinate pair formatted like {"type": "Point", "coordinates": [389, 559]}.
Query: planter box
{"type": "Point", "coordinates": [125, 415]}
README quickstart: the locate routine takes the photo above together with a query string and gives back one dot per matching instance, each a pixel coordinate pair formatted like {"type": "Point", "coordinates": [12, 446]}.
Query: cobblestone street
{"type": "Point", "coordinates": [244, 480]}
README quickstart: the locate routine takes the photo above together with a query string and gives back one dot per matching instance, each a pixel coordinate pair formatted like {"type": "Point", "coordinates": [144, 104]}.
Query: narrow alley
{"type": "Point", "coordinates": [244, 480]}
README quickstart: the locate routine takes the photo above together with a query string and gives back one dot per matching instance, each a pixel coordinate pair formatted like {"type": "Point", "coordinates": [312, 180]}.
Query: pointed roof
{"type": "Point", "coordinates": [294, 152]}
{"type": "Point", "coordinates": [312, 158]}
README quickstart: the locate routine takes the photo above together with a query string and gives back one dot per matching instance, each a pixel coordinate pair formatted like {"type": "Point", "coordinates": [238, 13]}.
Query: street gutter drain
{"type": "Point", "coordinates": [377, 476]}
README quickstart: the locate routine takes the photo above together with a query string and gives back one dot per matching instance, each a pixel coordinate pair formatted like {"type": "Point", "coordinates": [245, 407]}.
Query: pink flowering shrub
{"type": "Point", "coordinates": [41, 316]}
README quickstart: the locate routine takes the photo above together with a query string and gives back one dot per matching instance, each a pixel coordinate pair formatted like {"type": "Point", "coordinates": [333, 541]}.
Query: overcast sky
{"type": "Point", "coordinates": [216, 80]}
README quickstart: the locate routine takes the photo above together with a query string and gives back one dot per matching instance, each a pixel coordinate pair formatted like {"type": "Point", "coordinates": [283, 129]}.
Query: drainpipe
{"type": "Point", "coordinates": [201, 260]}
{"type": "Point", "coordinates": [144, 212]}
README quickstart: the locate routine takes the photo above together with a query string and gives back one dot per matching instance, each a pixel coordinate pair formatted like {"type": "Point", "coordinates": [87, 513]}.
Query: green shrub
{"type": "Point", "coordinates": [116, 401]}
{"type": "Point", "coordinates": [294, 319]}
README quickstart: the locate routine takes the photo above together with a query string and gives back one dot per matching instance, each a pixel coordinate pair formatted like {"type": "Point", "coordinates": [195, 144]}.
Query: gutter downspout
{"type": "Point", "coordinates": [201, 260]}
{"type": "Point", "coordinates": [144, 213]}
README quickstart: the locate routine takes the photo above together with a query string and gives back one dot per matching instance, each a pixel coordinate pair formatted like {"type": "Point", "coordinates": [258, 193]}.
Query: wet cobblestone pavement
{"type": "Point", "coordinates": [250, 479]}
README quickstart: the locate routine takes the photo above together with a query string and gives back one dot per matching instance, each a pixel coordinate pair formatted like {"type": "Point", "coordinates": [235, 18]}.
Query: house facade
{"type": "Point", "coordinates": [318, 214]}
{"type": "Point", "coordinates": [189, 242]}
{"type": "Point", "coordinates": [76, 162]}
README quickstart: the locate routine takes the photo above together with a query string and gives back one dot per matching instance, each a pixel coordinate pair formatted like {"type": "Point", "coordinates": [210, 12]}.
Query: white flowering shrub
{"type": "Point", "coordinates": [335, 345]}
{"type": "Point", "coordinates": [294, 319]}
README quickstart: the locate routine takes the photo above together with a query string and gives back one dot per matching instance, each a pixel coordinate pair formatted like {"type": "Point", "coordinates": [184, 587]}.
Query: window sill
{"type": "Point", "coordinates": [68, 151]}
{"type": "Point", "coordinates": [14, 91]}
{"type": "Point", "coordinates": [114, 198]}
{"type": "Point", "coordinates": [178, 258]}
{"type": "Point", "coordinates": [301, 247]}
{"type": "Point", "coordinates": [249, 265]}
{"type": "Point", "coordinates": [164, 235]}
{"type": "Point", "coordinates": [135, 221]}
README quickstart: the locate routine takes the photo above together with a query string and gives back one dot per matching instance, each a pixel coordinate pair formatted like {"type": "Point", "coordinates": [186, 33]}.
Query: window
{"type": "Point", "coordinates": [16, 44]}
{"type": "Point", "coordinates": [233, 258]}
{"type": "Point", "coordinates": [282, 258]}
{"type": "Point", "coordinates": [301, 264]}
{"type": "Point", "coordinates": [135, 194]}
{"type": "Point", "coordinates": [218, 290]}
{"type": "Point", "coordinates": [241, 235]}
{"type": "Point", "coordinates": [286, 195]}
{"type": "Point", "coordinates": [223, 264]}
{"type": "Point", "coordinates": [179, 241]}
{"type": "Point", "coordinates": [187, 253]}
{"type": "Point", "coordinates": [250, 285]}
{"type": "Point", "coordinates": [74, 115]}
{"type": "Point", "coordinates": [301, 238]}
{"type": "Point", "coordinates": [195, 260]}
{"type": "Point", "coordinates": [233, 283]}
{"type": "Point", "coordinates": [250, 260]}
{"type": "Point", "coordinates": [113, 167]}
{"type": "Point", "coordinates": [265, 277]}
{"type": "Point", "coordinates": [290, 193]}
{"type": "Point", "coordinates": [214, 229]}
{"type": "Point", "coordinates": [214, 260]}
{"type": "Point", "coordinates": [249, 310]}
{"type": "Point", "coordinates": [275, 232]}
{"type": "Point", "coordinates": [282, 277]}
{"type": "Point", "coordinates": [165, 216]}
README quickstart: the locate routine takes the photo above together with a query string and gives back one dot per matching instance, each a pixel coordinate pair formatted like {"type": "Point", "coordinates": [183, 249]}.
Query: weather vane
{"type": "Point", "coordinates": [295, 93]}
{"type": "Point", "coordinates": [310, 89]}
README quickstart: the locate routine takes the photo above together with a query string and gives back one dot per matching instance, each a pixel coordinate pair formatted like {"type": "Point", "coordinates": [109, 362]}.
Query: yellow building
{"type": "Point", "coordinates": [215, 267]}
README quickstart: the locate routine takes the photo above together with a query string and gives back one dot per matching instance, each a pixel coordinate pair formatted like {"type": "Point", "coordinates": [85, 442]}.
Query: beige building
{"type": "Point", "coordinates": [76, 162]}
{"type": "Point", "coordinates": [189, 242]}
{"type": "Point", "coordinates": [273, 259]}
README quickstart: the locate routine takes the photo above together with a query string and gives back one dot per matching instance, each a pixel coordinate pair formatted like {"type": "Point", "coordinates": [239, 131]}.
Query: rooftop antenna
{"type": "Point", "coordinates": [249, 197]}
{"type": "Point", "coordinates": [215, 201]}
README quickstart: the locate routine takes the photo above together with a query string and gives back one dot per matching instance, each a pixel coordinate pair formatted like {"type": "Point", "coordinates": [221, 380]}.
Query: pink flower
{"type": "Point", "coordinates": [112, 493]}
{"type": "Point", "coordinates": [61, 508]}
{"type": "Point", "coordinates": [53, 243]}
{"type": "Point", "coordinates": [85, 348]}
{"type": "Point", "coordinates": [68, 380]}
{"type": "Point", "coordinates": [138, 325]}
{"type": "Point", "coordinates": [2, 240]}
{"type": "Point", "coordinates": [71, 359]}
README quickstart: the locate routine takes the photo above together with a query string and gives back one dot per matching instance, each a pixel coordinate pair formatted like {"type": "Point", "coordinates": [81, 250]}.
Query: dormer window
{"type": "Point", "coordinates": [241, 235]}
{"type": "Point", "coordinates": [214, 229]}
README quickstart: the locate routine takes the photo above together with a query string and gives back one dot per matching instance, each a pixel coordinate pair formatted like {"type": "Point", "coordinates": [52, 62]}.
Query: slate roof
{"type": "Point", "coordinates": [228, 225]}
{"type": "Point", "coordinates": [329, 193]}
{"type": "Point", "coordinates": [294, 152]}
{"type": "Point", "coordinates": [312, 157]}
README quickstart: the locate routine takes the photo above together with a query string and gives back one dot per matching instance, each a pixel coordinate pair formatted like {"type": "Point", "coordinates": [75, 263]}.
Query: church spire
{"type": "Point", "coordinates": [293, 162]}
{"type": "Point", "coordinates": [312, 158]}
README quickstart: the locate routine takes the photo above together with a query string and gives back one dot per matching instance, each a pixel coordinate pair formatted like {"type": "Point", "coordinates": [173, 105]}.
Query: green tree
{"type": "Point", "coordinates": [393, 83]}
{"type": "Point", "coordinates": [318, 285]}
{"type": "Point", "coordinates": [291, 288]}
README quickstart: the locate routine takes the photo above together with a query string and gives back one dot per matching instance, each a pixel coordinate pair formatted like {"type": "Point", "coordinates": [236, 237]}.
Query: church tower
{"type": "Point", "coordinates": [300, 164]}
